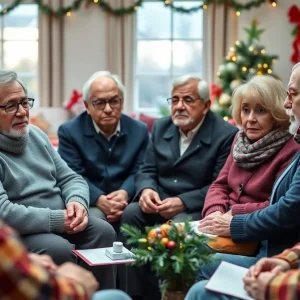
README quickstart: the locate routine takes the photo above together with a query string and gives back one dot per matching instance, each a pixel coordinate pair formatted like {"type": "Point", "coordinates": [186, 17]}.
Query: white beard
{"type": "Point", "coordinates": [294, 126]}
{"type": "Point", "coordinates": [16, 134]}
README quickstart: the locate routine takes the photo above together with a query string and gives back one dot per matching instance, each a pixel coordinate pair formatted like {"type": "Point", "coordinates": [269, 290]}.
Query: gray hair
{"type": "Point", "coordinates": [295, 66]}
{"type": "Point", "coordinates": [89, 82]}
{"type": "Point", "coordinates": [202, 87]}
{"type": "Point", "coordinates": [7, 77]}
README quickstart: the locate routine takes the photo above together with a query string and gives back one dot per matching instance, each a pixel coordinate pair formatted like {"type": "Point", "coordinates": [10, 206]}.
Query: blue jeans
{"type": "Point", "coordinates": [198, 292]}
{"type": "Point", "coordinates": [110, 295]}
{"type": "Point", "coordinates": [206, 271]}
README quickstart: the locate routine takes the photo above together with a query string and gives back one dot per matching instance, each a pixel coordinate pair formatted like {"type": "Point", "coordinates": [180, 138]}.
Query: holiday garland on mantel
{"type": "Point", "coordinates": [105, 6]}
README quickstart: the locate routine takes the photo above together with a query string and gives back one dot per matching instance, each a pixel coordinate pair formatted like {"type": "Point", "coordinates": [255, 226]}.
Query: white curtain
{"type": "Point", "coordinates": [50, 57]}
{"type": "Point", "coordinates": [220, 34]}
{"type": "Point", "coordinates": [121, 47]}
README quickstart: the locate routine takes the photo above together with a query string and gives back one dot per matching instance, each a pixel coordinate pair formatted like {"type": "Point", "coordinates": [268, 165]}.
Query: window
{"type": "Point", "coordinates": [168, 44]}
{"type": "Point", "coordinates": [19, 45]}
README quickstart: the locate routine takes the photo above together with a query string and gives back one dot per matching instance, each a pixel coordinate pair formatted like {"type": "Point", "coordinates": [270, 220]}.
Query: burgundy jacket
{"type": "Point", "coordinates": [243, 190]}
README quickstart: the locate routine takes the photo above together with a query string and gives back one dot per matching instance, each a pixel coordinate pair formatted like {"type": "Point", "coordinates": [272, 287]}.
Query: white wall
{"type": "Point", "coordinates": [84, 47]}
{"type": "Point", "coordinates": [277, 36]}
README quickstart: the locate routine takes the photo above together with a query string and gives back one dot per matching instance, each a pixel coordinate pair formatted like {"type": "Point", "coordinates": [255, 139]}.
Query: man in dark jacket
{"type": "Point", "coordinates": [104, 146]}
{"type": "Point", "coordinates": [184, 156]}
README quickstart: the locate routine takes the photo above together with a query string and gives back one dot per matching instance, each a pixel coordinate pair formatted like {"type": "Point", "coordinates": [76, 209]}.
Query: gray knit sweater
{"type": "Point", "coordinates": [36, 184]}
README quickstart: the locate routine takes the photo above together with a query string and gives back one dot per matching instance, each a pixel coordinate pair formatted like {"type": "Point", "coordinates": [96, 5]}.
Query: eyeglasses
{"type": "Point", "coordinates": [291, 94]}
{"type": "Point", "coordinates": [187, 100]}
{"type": "Point", "coordinates": [113, 103]}
{"type": "Point", "coordinates": [13, 107]}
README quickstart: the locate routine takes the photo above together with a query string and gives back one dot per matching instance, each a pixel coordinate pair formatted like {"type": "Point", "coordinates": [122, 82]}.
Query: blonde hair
{"type": "Point", "coordinates": [267, 91]}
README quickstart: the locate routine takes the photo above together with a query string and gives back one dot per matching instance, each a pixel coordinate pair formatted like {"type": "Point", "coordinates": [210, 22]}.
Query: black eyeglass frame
{"type": "Point", "coordinates": [184, 100]}
{"type": "Point", "coordinates": [17, 105]}
{"type": "Point", "coordinates": [120, 100]}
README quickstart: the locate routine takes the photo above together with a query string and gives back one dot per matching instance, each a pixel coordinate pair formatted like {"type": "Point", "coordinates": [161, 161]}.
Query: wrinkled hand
{"type": "Point", "coordinates": [218, 225]}
{"type": "Point", "coordinates": [43, 260]}
{"type": "Point", "coordinates": [120, 196]}
{"type": "Point", "coordinates": [256, 286]}
{"type": "Point", "coordinates": [268, 264]}
{"type": "Point", "coordinates": [80, 275]}
{"type": "Point", "coordinates": [171, 207]}
{"type": "Point", "coordinates": [149, 201]}
{"type": "Point", "coordinates": [113, 205]}
{"type": "Point", "coordinates": [215, 213]}
{"type": "Point", "coordinates": [76, 217]}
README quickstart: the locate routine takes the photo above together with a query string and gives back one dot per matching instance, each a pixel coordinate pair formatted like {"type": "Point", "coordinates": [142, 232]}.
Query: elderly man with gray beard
{"type": "Point", "coordinates": [185, 155]}
{"type": "Point", "coordinates": [40, 196]}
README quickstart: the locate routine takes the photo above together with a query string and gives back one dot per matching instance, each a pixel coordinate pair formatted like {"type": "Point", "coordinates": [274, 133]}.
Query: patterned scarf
{"type": "Point", "coordinates": [250, 155]}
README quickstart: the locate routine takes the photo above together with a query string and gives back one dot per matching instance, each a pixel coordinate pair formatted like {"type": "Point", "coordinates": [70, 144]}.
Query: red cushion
{"type": "Point", "coordinates": [148, 120]}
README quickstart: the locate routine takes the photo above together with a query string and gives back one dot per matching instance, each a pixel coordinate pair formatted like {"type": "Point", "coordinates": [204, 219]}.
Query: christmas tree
{"type": "Point", "coordinates": [244, 59]}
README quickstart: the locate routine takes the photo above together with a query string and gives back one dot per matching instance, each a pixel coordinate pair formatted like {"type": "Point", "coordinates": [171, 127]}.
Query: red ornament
{"type": "Point", "coordinates": [294, 17]}
{"type": "Point", "coordinates": [76, 96]}
{"type": "Point", "coordinates": [171, 245]}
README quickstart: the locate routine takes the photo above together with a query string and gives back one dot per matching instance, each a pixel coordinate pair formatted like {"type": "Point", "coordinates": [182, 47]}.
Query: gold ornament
{"type": "Point", "coordinates": [235, 83]}
{"type": "Point", "coordinates": [224, 99]}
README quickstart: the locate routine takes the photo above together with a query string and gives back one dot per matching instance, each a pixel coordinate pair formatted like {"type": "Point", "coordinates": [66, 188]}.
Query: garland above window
{"type": "Point", "coordinates": [105, 6]}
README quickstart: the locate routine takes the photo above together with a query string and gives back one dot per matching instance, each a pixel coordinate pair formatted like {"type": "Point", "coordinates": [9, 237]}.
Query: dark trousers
{"type": "Point", "coordinates": [98, 234]}
{"type": "Point", "coordinates": [141, 280]}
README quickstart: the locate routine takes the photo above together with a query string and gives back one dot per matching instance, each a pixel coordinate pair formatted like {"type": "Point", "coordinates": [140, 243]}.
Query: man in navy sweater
{"type": "Point", "coordinates": [104, 146]}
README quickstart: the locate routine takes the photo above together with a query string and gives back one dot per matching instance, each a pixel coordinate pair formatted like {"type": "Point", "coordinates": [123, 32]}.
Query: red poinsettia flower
{"type": "Point", "coordinates": [215, 91]}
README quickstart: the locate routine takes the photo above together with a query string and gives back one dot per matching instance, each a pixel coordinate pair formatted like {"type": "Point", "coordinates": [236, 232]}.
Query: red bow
{"type": "Point", "coordinates": [294, 17]}
{"type": "Point", "coordinates": [74, 99]}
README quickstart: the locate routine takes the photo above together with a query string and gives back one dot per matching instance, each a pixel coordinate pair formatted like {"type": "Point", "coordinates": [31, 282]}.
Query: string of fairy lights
{"type": "Point", "coordinates": [131, 9]}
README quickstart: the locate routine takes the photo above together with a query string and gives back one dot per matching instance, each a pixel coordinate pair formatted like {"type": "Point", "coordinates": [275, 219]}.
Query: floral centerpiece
{"type": "Point", "coordinates": [174, 251]}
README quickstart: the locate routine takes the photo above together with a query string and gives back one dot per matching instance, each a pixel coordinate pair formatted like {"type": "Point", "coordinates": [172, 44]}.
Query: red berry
{"type": "Point", "coordinates": [171, 245]}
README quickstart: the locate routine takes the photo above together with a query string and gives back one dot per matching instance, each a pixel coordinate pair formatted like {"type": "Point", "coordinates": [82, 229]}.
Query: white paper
{"type": "Point", "coordinates": [194, 225]}
{"type": "Point", "coordinates": [97, 256]}
{"type": "Point", "coordinates": [228, 280]}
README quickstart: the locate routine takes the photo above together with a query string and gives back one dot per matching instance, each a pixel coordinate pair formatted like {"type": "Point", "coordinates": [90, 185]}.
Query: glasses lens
{"type": "Point", "coordinates": [99, 104]}
{"type": "Point", "coordinates": [114, 102]}
{"type": "Point", "coordinates": [11, 108]}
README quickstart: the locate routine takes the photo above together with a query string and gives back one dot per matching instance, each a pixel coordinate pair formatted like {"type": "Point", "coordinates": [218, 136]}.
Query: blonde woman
{"type": "Point", "coordinates": [261, 151]}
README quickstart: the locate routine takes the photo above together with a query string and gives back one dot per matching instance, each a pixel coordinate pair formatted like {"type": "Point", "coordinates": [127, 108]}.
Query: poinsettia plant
{"type": "Point", "coordinates": [174, 251]}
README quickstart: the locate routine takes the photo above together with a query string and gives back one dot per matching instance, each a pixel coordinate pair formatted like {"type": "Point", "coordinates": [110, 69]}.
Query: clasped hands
{"type": "Point", "coordinates": [259, 276]}
{"type": "Point", "coordinates": [76, 218]}
{"type": "Point", "coordinates": [113, 204]}
{"type": "Point", "coordinates": [150, 203]}
{"type": "Point", "coordinates": [216, 223]}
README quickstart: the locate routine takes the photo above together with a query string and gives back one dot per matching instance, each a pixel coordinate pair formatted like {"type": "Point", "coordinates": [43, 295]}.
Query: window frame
{"type": "Point", "coordinates": [30, 75]}
{"type": "Point", "coordinates": [155, 110]}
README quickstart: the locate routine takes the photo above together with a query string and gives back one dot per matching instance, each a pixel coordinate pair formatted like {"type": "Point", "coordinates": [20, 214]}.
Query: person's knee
{"type": "Point", "coordinates": [110, 294]}
{"type": "Point", "coordinates": [197, 291]}
{"type": "Point", "coordinates": [61, 250]}
{"type": "Point", "coordinates": [130, 213]}
{"type": "Point", "coordinates": [97, 213]}
{"type": "Point", "coordinates": [102, 232]}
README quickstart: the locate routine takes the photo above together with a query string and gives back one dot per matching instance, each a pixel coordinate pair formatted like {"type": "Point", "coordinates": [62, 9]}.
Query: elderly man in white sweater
{"type": "Point", "coordinates": [40, 196]}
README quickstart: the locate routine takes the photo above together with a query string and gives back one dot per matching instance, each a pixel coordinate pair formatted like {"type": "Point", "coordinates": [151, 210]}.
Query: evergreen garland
{"type": "Point", "coordinates": [105, 6]}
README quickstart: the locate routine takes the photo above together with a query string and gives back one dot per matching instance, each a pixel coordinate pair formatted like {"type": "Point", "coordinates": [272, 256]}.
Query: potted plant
{"type": "Point", "coordinates": [174, 252]}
